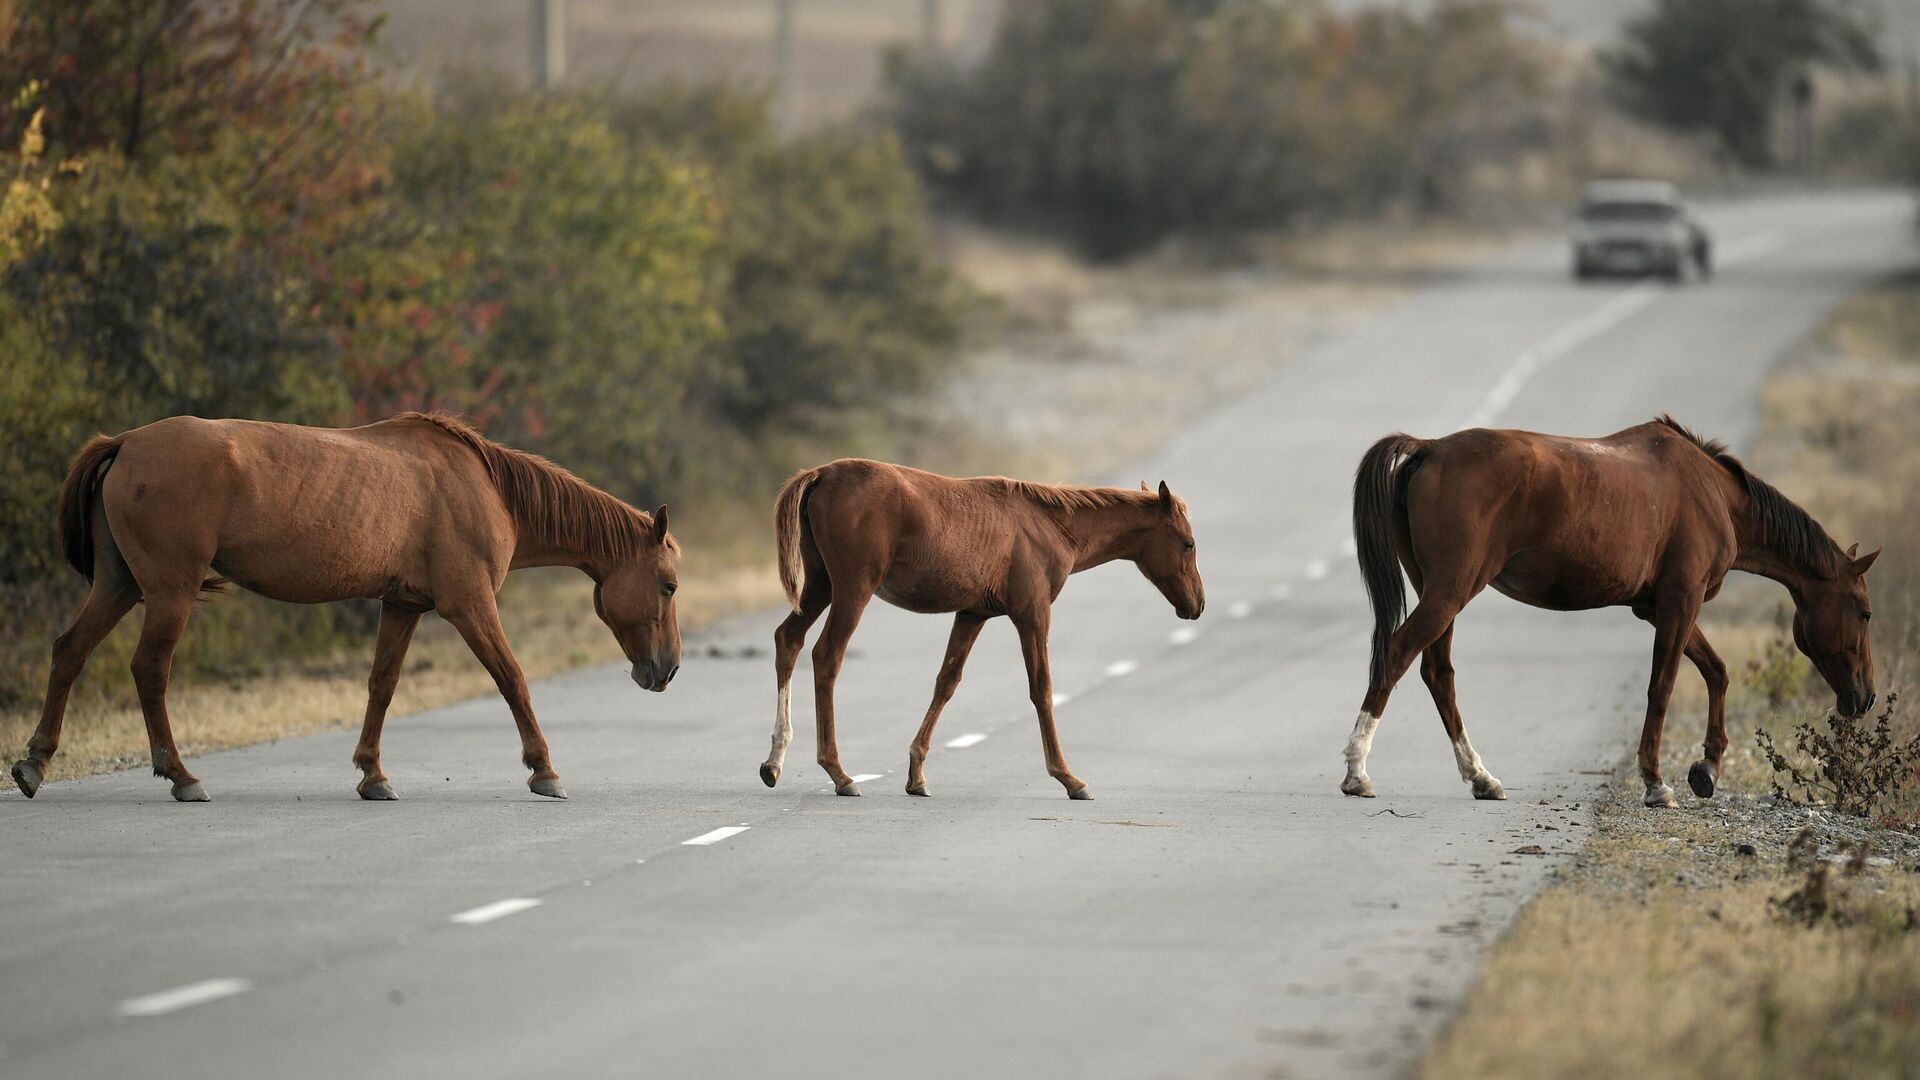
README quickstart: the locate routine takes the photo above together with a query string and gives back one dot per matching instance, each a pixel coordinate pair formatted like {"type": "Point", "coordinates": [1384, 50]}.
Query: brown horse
{"type": "Point", "coordinates": [979, 548]}
{"type": "Point", "coordinates": [1650, 518]}
{"type": "Point", "coordinates": [419, 512]}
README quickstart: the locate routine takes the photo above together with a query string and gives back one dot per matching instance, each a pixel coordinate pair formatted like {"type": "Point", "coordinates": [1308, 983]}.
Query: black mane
{"type": "Point", "coordinates": [1785, 528]}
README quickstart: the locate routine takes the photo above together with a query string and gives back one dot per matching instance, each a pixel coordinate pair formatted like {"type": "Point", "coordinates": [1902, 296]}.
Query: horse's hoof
{"type": "Point", "coordinates": [1701, 779]}
{"type": "Point", "coordinates": [1080, 793]}
{"type": "Point", "coordinates": [377, 790]}
{"type": "Point", "coordinates": [191, 791]}
{"type": "Point", "coordinates": [919, 789]}
{"type": "Point", "coordinates": [1661, 798]}
{"type": "Point", "coordinates": [849, 789]}
{"type": "Point", "coordinates": [1486, 787]}
{"type": "Point", "coordinates": [769, 773]}
{"type": "Point", "coordinates": [28, 776]}
{"type": "Point", "coordinates": [1359, 787]}
{"type": "Point", "coordinates": [548, 786]}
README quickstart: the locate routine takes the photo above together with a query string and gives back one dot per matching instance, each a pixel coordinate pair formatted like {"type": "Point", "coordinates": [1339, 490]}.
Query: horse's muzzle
{"type": "Point", "coordinates": [655, 675]}
{"type": "Point", "coordinates": [1856, 700]}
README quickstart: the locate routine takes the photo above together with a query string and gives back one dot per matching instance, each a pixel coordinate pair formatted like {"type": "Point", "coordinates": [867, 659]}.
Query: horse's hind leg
{"type": "Point", "coordinates": [788, 639]}
{"type": "Point", "coordinates": [1673, 632]}
{"type": "Point", "coordinates": [166, 619]}
{"type": "Point", "coordinates": [111, 597]}
{"type": "Point", "coordinates": [1704, 776]}
{"type": "Point", "coordinates": [849, 601]}
{"type": "Point", "coordinates": [389, 654]}
{"type": "Point", "coordinates": [1436, 670]}
{"type": "Point", "coordinates": [966, 629]}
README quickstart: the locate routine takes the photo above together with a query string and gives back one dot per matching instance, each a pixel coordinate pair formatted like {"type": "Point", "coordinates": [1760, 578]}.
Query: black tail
{"type": "Point", "coordinates": [1376, 503]}
{"type": "Point", "coordinates": [76, 501]}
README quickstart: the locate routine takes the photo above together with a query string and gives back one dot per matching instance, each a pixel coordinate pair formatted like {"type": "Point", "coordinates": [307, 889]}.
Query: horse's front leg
{"type": "Point", "coordinates": [1033, 647]}
{"type": "Point", "coordinates": [479, 624]}
{"type": "Point", "coordinates": [1704, 776]}
{"type": "Point", "coordinates": [389, 655]}
{"type": "Point", "coordinates": [966, 629]}
{"type": "Point", "coordinates": [1672, 629]}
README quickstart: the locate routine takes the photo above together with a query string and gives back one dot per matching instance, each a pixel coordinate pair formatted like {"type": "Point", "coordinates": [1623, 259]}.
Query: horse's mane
{"type": "Point", "coordinates": [1075, 497]}
{"type": "Point", "coordinates": [1783, 526]}
{"type": "Point", "coordinates": [550, 505]}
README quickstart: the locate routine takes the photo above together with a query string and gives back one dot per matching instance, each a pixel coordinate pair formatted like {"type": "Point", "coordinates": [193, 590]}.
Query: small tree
{"type": "Point", "coordinates": [1720, 67]}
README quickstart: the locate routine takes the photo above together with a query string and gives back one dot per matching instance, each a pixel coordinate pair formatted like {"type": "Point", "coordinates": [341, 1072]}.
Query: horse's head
{"type": "Point", "coordinates": [1830, 626]}
{"type": "Point", "coordinates": [1168, 559]}
{"type": "Point", "coordinates": [634, 598]}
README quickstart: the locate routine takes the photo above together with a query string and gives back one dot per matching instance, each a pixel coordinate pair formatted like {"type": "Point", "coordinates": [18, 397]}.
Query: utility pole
{"type": "Point", "coordinates": [549, 43]}
{"type": "Point", "coordinates": [930, 28]}
{"type": "Point", "coordinates": [782, 55]}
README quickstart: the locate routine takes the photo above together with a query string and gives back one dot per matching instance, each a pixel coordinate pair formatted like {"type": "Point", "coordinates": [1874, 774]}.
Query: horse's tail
{"type": "Point", "coordinates": [1376, 506]}
{"type": "Point", "coordinates": [787, 528]}
{"type": "Point", "coordinates": [82, 487]}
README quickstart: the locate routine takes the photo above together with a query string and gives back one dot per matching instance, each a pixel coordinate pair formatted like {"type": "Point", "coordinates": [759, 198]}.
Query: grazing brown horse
{"type": "Point", "coordinates": [979, 548]}
{"type": "Point", "coordinates": [1650, 518]}
{"type": "Point", "coordinates": [419, 512]}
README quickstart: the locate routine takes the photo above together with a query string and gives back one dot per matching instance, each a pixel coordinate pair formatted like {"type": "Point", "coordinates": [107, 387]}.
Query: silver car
{"type": "Point", "coordinates": [1638, 227]}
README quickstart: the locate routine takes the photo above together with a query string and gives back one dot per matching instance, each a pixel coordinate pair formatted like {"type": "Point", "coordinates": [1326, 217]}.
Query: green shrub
{"type": "Point", "coordinates": [1122, 121]}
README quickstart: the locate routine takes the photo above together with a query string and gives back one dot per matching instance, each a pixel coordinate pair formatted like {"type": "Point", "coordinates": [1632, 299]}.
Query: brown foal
{"type": "Point", "coordinates": [1651, 518]}
{"type": "Point", "coordinates": [981, 547]}
{"type": "Point", "coordinates": [420, 512]}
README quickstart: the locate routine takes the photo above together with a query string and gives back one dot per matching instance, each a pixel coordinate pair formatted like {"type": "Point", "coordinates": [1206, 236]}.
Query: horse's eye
{"type": "Point", "coordinates": [1866, 616]}
{"type": "Point", "coordinates": [669, 588]}
{"type": "Point", "coordinates": [1188, 546]}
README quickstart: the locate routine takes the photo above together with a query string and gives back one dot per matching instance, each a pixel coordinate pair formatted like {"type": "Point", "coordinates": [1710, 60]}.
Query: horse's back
{"type": "Point", "coordinates": [1569, 522]}
{"type": "Point", "coordinates": [299, 513]}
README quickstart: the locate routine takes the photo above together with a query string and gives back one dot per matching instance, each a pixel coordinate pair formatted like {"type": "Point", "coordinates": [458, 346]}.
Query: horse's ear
{"type": "Point", "coordinates": [1861, 564]}
{"type": "Point", "coordinates": [1852, 550]}
{"type": "Point", "coordinates": [660, 522]}
{"type": "Point", "coordinates": [1144, 487]}
{"type": "Point", "coordinates": [1166, 496]}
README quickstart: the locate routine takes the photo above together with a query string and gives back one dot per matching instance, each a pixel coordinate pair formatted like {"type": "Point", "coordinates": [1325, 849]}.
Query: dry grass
{"type": "Point", "coordinates": [1600, 978]}
{"type": "Point", "coordinates": [1660, 946]}
{"type": "Point", "coordinates": [549, 619]}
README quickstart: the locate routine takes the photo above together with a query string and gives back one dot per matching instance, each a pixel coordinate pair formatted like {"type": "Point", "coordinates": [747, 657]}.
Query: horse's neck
{"type": "Point", "coordinates": [1103, 534]}
{"type": "Point", "coordinates": [1754, 555]}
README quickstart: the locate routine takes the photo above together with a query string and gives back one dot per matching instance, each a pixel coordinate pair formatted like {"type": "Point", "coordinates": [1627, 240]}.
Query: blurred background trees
{"type": "Point", "coordinates": [1726, 68]}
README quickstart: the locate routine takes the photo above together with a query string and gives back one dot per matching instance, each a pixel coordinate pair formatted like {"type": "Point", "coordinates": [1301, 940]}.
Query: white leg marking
{"type": "Point", "coordinates": [782, 728]}
{"type": "Point", "coordinates": [1359, 744]}
{"type": "Point", "coordinates": [1474, 771]}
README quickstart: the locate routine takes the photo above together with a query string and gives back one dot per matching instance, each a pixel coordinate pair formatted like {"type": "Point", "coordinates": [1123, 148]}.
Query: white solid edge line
{"type": "Point", "coordinates": [1121, 668]}
{"type": "Point", "coordinates": [861, 778]}
{"type": "Point", "coordinates": [1317, 569]}
{"type": "Point", "coordinates": [499, 909]}
{"type": "Point", "coordinates": [1562, 341]}
{"type": "Point", "coordinates": [1184, 635]}
{"type": "Point", "coordinates": [714, 837]}
{"type": "Point", "coordinates": [181, 997]}
{"type": "Point", "coordinates": [964, 741]}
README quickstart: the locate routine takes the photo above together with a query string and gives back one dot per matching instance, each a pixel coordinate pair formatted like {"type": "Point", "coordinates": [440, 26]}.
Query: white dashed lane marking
{"type": "Point", "coordinates": [706, 839]}
{"type": "Point", "coordinates": [1061, 699]}
{"type": "Point", "coordinates": [499, 909]}
{"type": "Point", "coordinates": [1184, 635]}
{"type": "Point", "coordinates": [862, 778]}
{"type": "Point", "coordinates": [181, 997]}
{"type": "Point", "coordinates": [1348, 547]}
{"type": "Point", "coordinates": [1318, 569]}
{"type": "Point", "coordinates": [964, 741]}
{"type": "Point", "coordinates": [1121, 668]}
{"type": "Point", "coordinates": [1239, 609]}
{"type": "Point", "coordinates": [1281, 591]}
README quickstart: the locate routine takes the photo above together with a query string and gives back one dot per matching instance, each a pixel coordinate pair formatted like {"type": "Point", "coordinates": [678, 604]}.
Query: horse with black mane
{"type": "Point", "coordinates": [420, 512]}
{"type": "Point", "coordinates": [1651, 518]}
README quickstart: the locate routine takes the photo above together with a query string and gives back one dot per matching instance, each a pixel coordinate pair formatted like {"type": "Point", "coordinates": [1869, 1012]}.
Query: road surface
{"type": "Point", "coordinates": [1219, 911]}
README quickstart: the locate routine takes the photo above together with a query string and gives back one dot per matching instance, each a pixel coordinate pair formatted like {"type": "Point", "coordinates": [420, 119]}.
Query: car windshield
{"type": "Point", "coordinates": [1627, 211]}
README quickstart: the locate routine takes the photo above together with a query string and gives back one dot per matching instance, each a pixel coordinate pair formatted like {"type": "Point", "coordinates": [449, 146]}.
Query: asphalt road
{"type": "Point", "coordinates": [1219, 910]}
